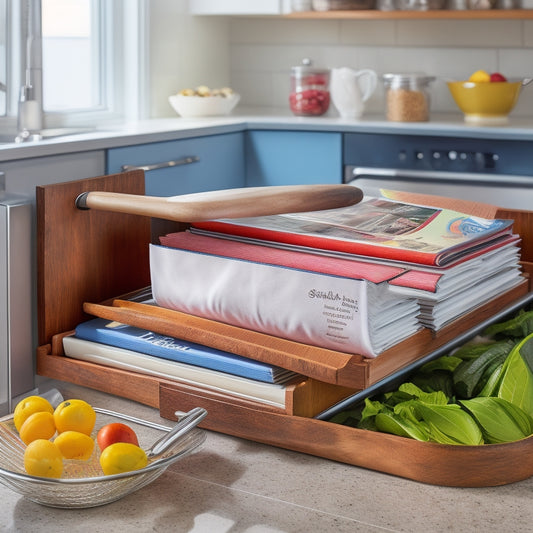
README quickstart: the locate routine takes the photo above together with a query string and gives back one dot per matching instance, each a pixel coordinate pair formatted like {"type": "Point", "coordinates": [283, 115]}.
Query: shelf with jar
{"type": "Point", "coordinates": [431, 14]}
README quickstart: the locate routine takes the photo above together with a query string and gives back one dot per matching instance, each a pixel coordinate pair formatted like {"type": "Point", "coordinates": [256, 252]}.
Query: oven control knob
{"type": "Point", "coordinates": [419, 155]}
{"type": "Point", "coordinates": [452, 155]}
{"type": "Point", "coordinates": [485, 160]}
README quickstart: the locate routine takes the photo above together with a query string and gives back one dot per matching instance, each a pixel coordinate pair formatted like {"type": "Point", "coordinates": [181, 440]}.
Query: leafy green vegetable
{"type": "Point", "coordinates": [500, 420]}
{"type": "Point", "coordinates": [519, 326]}
{"type": "Point", "coordinates": [472, 374]}
{"type": "Point", "coordinates": [398, 425]}
{"type": "Point", "coordinates": [494, 380]}
{"type": "Point", "coordinates": [516, 382]}
{"type": "Point", "coordinates": [447, 363]}
{"type": "Point", "coordinates": [491, 386]}
{"type": "Point", "coordinates": [449, 424]}
{"type": "Point", "coordinates": [472, 350]}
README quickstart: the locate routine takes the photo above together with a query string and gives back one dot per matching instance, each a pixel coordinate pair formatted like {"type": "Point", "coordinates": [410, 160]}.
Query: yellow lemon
{"type": "Point", "coordinates": [42, 458]}
{"type": "Point", "coordinates": [75, 445]}
{"type": "Point", "coordinates": [28, 406]}
{"type": "Point", "coordinates": [74, 415]}
{"type": "Point", "coordinates": [38, 426]}
{"type": "Point", "coordinates": [480, 76]}
{"type": "Point", "coordinates": [122, 457]}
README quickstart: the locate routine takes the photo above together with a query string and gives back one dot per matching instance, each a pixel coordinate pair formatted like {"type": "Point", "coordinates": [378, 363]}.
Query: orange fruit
{"type": "Point", "coordinates": [28, 406]}
{"type": "Point", "coordinates": [75, 445]}
{"type": "Point", "coordinates": [74, 415]}
{"type": "Point", "coordinates": [122, 457]}
{"type": "Point", "coordinates": [38, 426]}
{"type": "Point", "coordinates": [42, 458]}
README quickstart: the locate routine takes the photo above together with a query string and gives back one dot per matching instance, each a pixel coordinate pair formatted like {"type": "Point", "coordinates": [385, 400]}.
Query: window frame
{"type": "Point", "coordinates": [123, 86]}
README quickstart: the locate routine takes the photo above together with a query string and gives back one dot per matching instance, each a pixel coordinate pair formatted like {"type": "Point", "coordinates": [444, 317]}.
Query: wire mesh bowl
{"type": "Point", "coordinates": [82, 484]}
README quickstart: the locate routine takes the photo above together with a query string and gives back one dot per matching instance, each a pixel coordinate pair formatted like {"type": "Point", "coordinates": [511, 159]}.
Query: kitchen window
{"type": "Point", "coordinates": [3, 57]}
{"type": "Point", "coordinates": [84, 59]}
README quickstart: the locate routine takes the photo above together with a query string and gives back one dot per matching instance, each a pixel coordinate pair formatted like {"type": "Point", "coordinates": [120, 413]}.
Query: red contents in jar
{"type": "Point", "coordinates": [309, 102]}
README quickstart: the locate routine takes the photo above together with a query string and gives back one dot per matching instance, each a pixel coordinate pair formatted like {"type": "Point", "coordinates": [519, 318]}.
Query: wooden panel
{"type": "Point", "coordinates": [86, 255]}
{"type": "Point", "coordinates": [438, 464]}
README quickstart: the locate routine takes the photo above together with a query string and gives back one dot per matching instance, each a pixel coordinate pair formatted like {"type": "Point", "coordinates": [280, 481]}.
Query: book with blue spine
{"type": "Point", "coordinates": [113, 333]}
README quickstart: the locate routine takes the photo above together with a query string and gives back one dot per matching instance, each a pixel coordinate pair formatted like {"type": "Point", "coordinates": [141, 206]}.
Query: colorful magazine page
{"type": "Point", "coordinates": [347, 268]}
{"type": "Point", "coordinates": [377, 227]}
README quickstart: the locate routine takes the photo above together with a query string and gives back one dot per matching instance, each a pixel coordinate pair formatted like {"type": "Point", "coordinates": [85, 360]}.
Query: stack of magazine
{"type": "Point", "coordinates": [358, 280]}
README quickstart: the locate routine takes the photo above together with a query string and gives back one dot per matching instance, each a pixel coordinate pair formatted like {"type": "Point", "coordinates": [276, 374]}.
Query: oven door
{"type": "Point", "coordinates": [509, 191]}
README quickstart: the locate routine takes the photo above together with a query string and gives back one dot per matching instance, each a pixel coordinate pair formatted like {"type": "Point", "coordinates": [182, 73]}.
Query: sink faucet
{"type": "Point", "coordinates": [30, 108]}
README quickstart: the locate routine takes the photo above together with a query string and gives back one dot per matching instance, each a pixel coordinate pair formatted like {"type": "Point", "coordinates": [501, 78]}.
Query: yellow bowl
{"type": "Point", "coordinates": [488, 102]}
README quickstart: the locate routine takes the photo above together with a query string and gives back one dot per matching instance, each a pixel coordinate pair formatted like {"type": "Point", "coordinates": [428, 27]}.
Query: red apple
{"type": "Point", "coordinates": [496, 76]}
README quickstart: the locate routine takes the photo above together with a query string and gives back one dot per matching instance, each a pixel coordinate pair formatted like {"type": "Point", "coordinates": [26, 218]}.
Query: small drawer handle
{"type": "Point", "coordinates": [176, 163]}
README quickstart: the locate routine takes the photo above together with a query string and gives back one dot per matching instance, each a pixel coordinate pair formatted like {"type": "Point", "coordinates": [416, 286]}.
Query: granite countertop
{"type": "Point", "coordinates": [155, 130]}
{"type": "Point", "coordinates": [235, 486]}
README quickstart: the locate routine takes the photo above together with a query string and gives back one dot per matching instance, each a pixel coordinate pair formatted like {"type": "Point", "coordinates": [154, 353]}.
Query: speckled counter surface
{"type": "Point", "coordinates": [235, 486]}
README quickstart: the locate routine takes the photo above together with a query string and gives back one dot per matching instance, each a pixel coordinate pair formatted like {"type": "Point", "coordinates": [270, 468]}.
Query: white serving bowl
{"type": "Point", "coordinates": [203, 106]}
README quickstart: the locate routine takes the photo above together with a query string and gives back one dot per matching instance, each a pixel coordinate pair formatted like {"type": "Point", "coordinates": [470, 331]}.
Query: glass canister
{"type": "Point", "coordinates": [309, 94]}
{"type": "Point", "coordinates": [407, 97]}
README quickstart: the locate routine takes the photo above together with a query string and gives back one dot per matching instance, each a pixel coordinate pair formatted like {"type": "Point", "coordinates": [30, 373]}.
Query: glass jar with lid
{"type": "Point", "coordinates": [407, 97]}
{"type": "Point", "coordinates": [309, 89]}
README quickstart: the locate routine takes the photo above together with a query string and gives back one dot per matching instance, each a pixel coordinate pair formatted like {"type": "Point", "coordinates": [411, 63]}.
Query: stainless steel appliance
{"type": "Point", "coordinates": [489, 170]}
{"type": "Point", "coordinates": [16, 330]}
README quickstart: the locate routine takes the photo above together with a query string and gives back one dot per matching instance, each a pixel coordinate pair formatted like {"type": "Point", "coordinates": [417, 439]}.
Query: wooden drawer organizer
{"type": "Point", "coordinates": [86, 259]}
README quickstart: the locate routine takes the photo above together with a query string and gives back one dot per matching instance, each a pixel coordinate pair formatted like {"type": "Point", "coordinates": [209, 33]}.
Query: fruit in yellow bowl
{"type": "Point", "coordinates": [482, 102]}
{"type": "Point", "coordinates": [480, 76]}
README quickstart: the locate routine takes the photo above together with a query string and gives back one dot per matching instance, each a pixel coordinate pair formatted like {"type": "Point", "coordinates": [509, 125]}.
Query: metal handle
{"type": "Point", "coordinates": [176, 163]}
{"type": "Point", "coordinates": [191, 419]}
{"type": "Point", "coordinates": [419, 175]}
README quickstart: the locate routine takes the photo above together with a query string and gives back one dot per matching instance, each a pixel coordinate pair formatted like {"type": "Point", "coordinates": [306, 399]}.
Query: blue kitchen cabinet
{"type": "Point", "coordinates": [292, 157]}
{"type": "Point", "coordinates": [215, 162]}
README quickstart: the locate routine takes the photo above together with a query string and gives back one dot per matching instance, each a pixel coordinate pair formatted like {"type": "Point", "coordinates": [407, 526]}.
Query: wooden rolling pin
{"type": "Point", "coordinates": [230, 203]}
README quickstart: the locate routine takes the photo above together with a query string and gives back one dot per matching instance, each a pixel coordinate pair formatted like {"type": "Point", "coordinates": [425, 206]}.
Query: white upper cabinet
{"type": "Point", "coordinates": [239, 7]}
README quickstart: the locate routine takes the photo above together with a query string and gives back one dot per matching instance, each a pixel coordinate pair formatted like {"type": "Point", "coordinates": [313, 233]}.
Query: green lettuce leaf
{"type": "Point", "coordinates": [399, 425]}
{"type": "Point", "coordinates": [519, 326]}
{"type": "Point", "coordinates": [500, 420]}
{"type": "Point", "coordinates": [516, 382]}
{"type": "Point", "coordinates": [449, 424]}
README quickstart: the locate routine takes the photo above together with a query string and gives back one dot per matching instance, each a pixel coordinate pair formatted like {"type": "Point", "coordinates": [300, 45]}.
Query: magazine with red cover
{"type": "Point", "coordinates": [377, 227]}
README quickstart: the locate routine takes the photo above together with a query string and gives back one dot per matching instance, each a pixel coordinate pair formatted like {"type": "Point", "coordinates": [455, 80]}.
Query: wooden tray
{"type": "Point", "coordinates": [88, 257]}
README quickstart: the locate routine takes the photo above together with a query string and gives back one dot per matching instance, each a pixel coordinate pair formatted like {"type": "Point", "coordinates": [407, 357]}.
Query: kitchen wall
{"type": "Point", "coordinates": [185, 51]}
{"type": "Point", "coordinates": [254, 55]}
{"type": "Point", "coordinates": [263, 50]}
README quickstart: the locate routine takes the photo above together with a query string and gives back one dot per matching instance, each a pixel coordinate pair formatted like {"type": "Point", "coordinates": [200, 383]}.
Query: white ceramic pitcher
{"type": "Point", "coordinates": [350, 89]}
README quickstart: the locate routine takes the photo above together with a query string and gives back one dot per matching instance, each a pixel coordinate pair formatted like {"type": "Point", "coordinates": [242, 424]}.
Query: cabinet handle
{"type": "Point", "coordinates": [176, 163]}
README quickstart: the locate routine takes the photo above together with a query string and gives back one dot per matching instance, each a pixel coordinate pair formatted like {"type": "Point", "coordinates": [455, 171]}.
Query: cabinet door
{"type": "Point", "coordinates": [217, 162]}
{"type": "Point", "coordinates": [293, 158]}
{"type": "Point", "coordinates": [239, 7]}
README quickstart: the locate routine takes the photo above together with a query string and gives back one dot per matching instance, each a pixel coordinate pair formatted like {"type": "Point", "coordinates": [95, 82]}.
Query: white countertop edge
{"type": "Point", "coordinates": [168, 129]}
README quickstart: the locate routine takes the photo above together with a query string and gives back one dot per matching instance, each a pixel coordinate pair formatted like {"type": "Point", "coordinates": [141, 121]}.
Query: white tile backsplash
{"type": "Point", "coordinates": [254, 54]}
{"type": "Point", "coordinates": [262, 51]}
{"type": "Point", "coordinates": [460, 33]}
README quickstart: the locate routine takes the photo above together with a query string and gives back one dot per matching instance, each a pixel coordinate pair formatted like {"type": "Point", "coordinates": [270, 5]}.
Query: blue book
{"type": "Point", "coordinates": [147, 342]}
